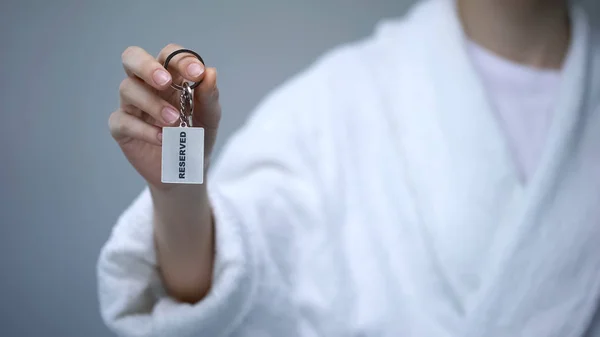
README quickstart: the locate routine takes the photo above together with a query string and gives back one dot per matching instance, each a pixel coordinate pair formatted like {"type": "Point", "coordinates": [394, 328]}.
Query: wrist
{"type": "Point", "coordinates": [182, 193]}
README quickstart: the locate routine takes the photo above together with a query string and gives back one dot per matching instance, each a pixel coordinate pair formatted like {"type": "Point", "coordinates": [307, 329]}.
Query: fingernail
{"type": "Point", "coordinates": [170, 115]}
{"type": "Point", "coordinates": [159, 137]}
{"type": "Point", "coordinates": [161, 77]}
{"type": "Point", "coordinates": [195, 70]}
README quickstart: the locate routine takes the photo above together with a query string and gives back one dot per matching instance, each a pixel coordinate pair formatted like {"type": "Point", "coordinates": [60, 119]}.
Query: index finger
{"type": "Point", "coordinates": [187, 66]}
{"type": "Point", "coordinates": [139, 63]}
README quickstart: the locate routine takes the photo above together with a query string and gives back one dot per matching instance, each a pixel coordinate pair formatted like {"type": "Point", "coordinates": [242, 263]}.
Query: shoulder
{"type": "Point", "coordinates": [352, 62]}
{"type": "Point", "coordinates": [342, 71]}
{"type": "Point", "coordinates": [370, 63]}
{"type": "Point", "coordinates": [348, 75]}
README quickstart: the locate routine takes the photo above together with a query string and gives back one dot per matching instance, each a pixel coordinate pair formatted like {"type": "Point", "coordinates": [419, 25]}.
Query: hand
{"type": "Point", "coordinates": [148, 103]}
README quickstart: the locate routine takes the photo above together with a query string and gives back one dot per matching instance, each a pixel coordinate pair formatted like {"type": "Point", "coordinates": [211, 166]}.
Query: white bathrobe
{"type": "Point", "coordinates": [375, 195]}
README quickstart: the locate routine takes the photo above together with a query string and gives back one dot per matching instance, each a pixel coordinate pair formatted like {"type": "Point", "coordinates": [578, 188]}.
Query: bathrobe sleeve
{"type": "Point", "coordinates": [264, 191]}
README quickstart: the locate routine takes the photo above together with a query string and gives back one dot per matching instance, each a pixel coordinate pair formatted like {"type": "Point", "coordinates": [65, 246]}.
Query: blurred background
{"type": "Point", "coordinates": [63, 179]}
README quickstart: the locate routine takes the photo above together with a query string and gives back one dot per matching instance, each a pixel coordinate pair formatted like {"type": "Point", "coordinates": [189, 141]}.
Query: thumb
{"type": "Point", "coordinates": [207, 109]}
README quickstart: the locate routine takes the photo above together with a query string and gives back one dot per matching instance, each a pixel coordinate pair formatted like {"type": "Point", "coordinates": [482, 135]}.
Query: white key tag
{"type": "Point", "coordinates": [183, 146]}
{"type": "Point", "coordinates": [183, 155]}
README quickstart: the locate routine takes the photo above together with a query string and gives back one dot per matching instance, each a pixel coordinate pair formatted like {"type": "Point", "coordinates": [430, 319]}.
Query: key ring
{"type": "Point", "coordinates": [186, 102]}
{"type": "Point", "coordinates": [179, 51]}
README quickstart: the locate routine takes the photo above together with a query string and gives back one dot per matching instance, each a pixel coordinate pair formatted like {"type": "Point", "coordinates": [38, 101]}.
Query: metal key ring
{"type": "Point", "coordinates": [179, 51]}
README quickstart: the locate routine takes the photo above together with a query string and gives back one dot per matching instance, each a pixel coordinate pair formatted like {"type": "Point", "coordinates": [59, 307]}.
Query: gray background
{"type": "Point", "coordinates": [63, 179]}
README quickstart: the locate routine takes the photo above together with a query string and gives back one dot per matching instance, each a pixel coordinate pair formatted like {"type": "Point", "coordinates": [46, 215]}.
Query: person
{"type": "Point", "coordinates": [438, 178]}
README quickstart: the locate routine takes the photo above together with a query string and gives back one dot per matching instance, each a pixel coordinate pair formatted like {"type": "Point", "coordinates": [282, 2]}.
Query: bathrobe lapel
{"type": "Point", "coordinates": [545, 277]}
{"type": "Point", "coordinates": [511, 259]}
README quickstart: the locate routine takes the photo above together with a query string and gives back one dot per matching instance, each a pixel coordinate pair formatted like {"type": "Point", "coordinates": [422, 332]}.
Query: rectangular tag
{"type": "Point", "coordinates": [182, 155]}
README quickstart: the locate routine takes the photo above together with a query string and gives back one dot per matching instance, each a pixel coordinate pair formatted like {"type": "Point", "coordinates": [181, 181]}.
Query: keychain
{"type": "Point", "coordinates": [183, 146]}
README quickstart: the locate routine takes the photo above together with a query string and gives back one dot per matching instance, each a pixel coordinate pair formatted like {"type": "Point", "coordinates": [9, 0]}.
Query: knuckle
{"type": "Point", "coordinates": [125, 85]}
{"type": "Point", "coordinates": [168, 49]}
{"type": "Point", "coordinates": [215, 93]}
{"type": "Point", "coordinates": [121, 127]}
{"type": "Point", "coordinates": [171, 46]}
{"type": "Point", "coordinates": [147, 66]}
{"type": "Point", "coordinates": [117, 124]}
{"type": "Point", "coordinates": [113, 122]}
{"type": "Point", "coordinates": [129, 52]}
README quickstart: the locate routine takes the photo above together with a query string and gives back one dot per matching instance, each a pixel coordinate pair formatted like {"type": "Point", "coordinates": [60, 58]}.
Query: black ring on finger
{"type": "Point", "coordinates": [177, 52]}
